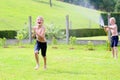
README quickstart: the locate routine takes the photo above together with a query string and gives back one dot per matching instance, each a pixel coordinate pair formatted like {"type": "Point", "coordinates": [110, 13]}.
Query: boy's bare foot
{"type": "Point", "coordinates": [45, 67]}
{"type": "Point", "coordinates": [115, 58]}
{"type": "Point", "coordinates": [37, 67]}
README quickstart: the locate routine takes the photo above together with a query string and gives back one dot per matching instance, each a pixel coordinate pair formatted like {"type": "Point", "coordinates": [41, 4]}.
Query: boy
{"type": "Point", "coordinates": [39, 31]}
{"type": "Point", "coordinates": [114, 37]}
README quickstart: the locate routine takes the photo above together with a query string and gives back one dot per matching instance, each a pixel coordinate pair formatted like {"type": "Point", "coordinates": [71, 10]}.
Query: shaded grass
{"type": "Point", "coordinates": [63, 64]}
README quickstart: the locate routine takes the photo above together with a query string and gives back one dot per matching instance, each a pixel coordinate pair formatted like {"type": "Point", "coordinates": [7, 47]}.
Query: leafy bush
{"type": "Point", "coordinates": [3, 42]}
{"type": "Point", "coordinates": [54, 31]}
{"type": "Point", "coordinates": [90, 45]}
{"type": "Point", "coordinates": [54, 41]}
{"type": "Point", "coordinates": [20, 37]}
{"type": "Point", "coordinates": [8, 34]}
{"type": "Point", "coordinates": [108, 45]}
{"type": "Point", "coordinates": [73, 40]}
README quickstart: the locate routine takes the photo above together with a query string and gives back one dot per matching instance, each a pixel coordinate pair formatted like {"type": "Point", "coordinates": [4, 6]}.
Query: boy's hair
{"type": "Point", "coordinates": [40, 17]}
{"type": "Point", "coordinates": [112, 18]}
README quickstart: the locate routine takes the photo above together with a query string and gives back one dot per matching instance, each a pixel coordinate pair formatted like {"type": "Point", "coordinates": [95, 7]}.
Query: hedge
{"type": "Point", "coordinates": [86, 32]}
{"type": "Point", "coordinates": [8, 34]}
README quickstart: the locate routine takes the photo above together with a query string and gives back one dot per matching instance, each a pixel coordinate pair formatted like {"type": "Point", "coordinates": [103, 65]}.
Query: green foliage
{"type": "Point", "coordinates": [3, 42]}
{"type": "Point", "coordinates": [73, 40]}
{"type": "Point", "coordinates": [117, 6]}
{"type": "Point", "coordinates": [21, 34]}
{"type": "Point", "coordinates": [86, 32]}
{"type": "Point", "coordinates": [90, 45]}
{"type": "Point", "coordinates": [98, 4]}
{"type": "Point", "coordinates": [8, 34]}
{"type": "Point", "coordinates": [0, 41]}
{"type": "Point", "coordinates": [54, 31]}
{"type": "Point", "coordinates": [34, 41]}
{"type": "Point", "coordinates": [108, 45]}
{"type": "Point", "coordinates": [54, 41]}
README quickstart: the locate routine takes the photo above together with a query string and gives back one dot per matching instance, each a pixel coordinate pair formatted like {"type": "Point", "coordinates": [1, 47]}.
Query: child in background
{"type": "Point", "coordinates": [114, 36]}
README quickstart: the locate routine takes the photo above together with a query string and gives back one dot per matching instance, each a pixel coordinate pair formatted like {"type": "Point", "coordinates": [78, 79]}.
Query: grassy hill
{"type": "Point", "coordinates": [14, 14]}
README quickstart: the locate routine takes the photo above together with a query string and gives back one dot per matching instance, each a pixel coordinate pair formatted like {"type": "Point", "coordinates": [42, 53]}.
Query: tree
{"type": "Point", "coordinates": [117, 6]}
{"type": "Point", "coordinates": [66, 0]}
{"type": "Point", "coordinates": [109, 7]}
{"type": "Point", "coordinates": [97, 4]}
{"type": "Point", "coordinates": [105, 5]}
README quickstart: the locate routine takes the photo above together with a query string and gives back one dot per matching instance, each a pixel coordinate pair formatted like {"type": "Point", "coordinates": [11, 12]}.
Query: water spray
{"type": "Point", "coordinates": [101, 21]}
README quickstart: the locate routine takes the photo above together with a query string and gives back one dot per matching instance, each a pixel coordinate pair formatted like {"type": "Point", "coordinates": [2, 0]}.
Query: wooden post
{"type": "Point", "coordinates": [50, 3]}
{"type": "Point", "coordinates": [67, 29]}
{"type": "Point", "coordinates": [30, 29]}
{"type": "Point", "coordinates": [109, 33]}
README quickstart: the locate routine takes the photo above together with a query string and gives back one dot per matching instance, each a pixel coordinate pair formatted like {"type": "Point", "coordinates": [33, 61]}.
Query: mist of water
{"type": "Point", "coordinates": [93, 15]}
{"type": "Point", "coordinates": [101, 21]}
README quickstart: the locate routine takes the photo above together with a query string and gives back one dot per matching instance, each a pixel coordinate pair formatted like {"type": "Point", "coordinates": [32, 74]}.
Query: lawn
{"type": "Point", "coordinates": [94, 38]}
{"type": "Point", "coordinates": [63, 64]}
{"type": "Point", "coordinates": [14, 14]}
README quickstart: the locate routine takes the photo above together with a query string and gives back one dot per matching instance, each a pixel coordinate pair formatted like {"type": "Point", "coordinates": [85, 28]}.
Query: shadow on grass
{"type": "Point", "coordinates": [55, 71]}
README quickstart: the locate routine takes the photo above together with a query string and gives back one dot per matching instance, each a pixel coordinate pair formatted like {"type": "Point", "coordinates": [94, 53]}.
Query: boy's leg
{"type": "Point", "coordinates": [112, 46]}
{"type": "Point", "coordinates": [115, 47]}
{"type": "Point", "coordinates": [44, 58]}
{"type": "Point", "coordinates": [113, 52]}
{"type": "Point", "coordinates": [37, 61]}
{"type": "Point", "coordinates": [43, 51]}
{"type": "Point", "coordinates": [116, 52]}
{"type": "Point", "coordinates": [36, 53]}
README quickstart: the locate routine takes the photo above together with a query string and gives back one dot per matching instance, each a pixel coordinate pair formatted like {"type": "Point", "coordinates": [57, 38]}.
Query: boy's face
{"type": "Point", "coordinates": [39, 21]}
{"type": "Point", "coordinates": [112, 21]}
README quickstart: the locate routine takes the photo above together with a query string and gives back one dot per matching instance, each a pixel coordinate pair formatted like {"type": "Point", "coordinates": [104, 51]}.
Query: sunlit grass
{"type": "Point", "coordinates": [94, 38]}
{"type": "Point", "coordinates": [63, 64]}
{"type": "Point", "coordinates": [14, 14]}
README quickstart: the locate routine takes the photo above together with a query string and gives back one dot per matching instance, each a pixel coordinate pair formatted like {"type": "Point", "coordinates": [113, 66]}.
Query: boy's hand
{"type": "Point", "coordinates": [106, 28]}
{"type": "Point", "coordinates": [33, 35]}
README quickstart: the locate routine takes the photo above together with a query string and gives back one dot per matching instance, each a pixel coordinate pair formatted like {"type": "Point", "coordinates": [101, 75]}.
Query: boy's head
{"type": "Point", "coordinates": [112, 20]}
{"type": "Point", "coordinates": [39, 20]}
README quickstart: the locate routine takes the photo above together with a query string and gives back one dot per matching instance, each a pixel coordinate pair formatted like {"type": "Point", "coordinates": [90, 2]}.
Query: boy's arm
{"type": "Point", "coordinates": [112, 27]}
{"type": "Point", "coordinates": [106, 28]}
{"type": "Point", "coordinates": [33, 33]}
{"type": "Point", "coordinates": [42, 33]}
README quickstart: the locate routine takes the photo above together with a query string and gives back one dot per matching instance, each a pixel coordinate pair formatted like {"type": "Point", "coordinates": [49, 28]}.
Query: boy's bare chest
{"type": "Point", "coordinates": [39, 30]}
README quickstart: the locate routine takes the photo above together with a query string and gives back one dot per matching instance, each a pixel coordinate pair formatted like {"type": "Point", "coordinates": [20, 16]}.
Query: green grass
{"type": "Point", "coordinates": [94, 38]}
{"type": "Point", "coordinates": [14, 14]}
{"type": "Point", "coordinates": [63, 64]}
